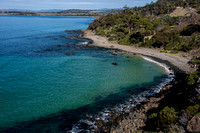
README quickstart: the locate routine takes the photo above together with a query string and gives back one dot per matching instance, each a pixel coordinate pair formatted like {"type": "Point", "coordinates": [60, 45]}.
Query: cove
{"type": "Point", "coordinates": [42, 88]}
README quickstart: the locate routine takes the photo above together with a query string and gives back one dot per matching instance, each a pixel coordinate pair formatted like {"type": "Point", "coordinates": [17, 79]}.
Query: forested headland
{"type": "Point", "coordinates": [173, 27]}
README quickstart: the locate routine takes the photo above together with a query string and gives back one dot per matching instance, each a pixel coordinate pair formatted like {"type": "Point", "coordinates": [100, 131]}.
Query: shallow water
{"type": "Point", "coordinates": [42, 85]}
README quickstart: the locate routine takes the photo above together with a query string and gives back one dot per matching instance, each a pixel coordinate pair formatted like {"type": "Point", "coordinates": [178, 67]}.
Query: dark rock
{"type": "Point", "coordinates": [59, 45]}
{"type": "Point", "coordinates": [114, 53]}
{"type": "Point", "coordinates": [115, 63]}
{"type": "Point", "coordinates": [67, 53]}
{"type": "Point", "coordinates": [194, 124]}
{"type": "Point", "coordinates": [79, 47]}
{"type": "Point", "coordinates": [171, 74]}
{"type": "Point", "coordinates": [89, 46]}
{"type": "Point", "coordinates": [74, 31]}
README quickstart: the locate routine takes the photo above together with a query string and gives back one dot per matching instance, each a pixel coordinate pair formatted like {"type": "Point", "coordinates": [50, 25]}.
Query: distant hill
{"type": "Point", "coordinates": [57, 12]}
{"type": "Point", "coordinates": [50, 10]}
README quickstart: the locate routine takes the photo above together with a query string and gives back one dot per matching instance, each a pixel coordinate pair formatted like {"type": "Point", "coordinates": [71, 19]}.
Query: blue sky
{"type": "Point", "coordinates": [69, 4]}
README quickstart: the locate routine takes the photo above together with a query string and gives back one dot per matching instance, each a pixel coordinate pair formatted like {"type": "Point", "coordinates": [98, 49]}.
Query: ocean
{"type": "Point", "coordinates": [50, 79]}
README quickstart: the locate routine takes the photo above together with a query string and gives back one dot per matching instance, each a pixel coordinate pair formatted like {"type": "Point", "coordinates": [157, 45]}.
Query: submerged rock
{"type": "Point", "coordinates": [114, 53]}
{"type": "Point", "coordinates": [58, 45]}
{"type": "Point", "coordinates": [89, 46]}
{"type": "Point", "coordinates": [115, 63]}
{"type": "Point", "coordinates": [67, 53]}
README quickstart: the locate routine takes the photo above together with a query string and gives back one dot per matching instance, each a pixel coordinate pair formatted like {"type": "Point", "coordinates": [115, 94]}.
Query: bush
{"type": "Point", "coordinates": [136, 38]}
{"type": "Point", "coordinates": [164, 118]}
{"type": "Point", "coordinates": [192, 77]}
{"type": "Point", "coordinates": [190, 29]}
{"type": "Point", "coordinates": [153, 116]}
{"type": "Point", "coordinates": [193, 110]}
{"type": "Point", "coordinates": [195, 61]}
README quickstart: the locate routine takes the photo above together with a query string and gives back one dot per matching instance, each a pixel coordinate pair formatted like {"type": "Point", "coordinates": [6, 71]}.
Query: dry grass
{"type": "Point", "coordinates": [180, 11]}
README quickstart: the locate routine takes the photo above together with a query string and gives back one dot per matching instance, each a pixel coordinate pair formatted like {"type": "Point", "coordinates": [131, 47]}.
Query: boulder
{"type": "Point", "coordinates": [114, 53]}
{"type": "Point", "coordinates": [67, 53]}
{"type": "Point", "coordinates": [194, 124]}
{"type": "Point", "coordinates": [115, 63]}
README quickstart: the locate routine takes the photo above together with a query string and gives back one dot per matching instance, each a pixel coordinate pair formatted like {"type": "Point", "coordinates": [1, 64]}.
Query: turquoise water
{"type": "Point", "coordinates": [38, 80]}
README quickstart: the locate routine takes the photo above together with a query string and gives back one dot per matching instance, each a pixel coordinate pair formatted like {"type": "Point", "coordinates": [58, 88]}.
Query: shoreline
{"type": "Point", "coordinates": [177, 63]}
{"type": "Point", "coordinates": [135, 118]}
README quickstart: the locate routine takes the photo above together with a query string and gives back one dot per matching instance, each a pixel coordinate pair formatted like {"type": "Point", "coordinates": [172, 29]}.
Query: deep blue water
{"type": "Point", "coordinates": [46, 88]}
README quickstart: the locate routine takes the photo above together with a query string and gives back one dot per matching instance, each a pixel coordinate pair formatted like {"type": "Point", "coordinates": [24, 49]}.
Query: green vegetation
{"type": "Point", "coordinates": [190, 29]}
{"type": "Point", "coordinates": [164, 118]}
{"type": "Point", "coordinates": [195, 61]}
{"type": "Point", "coordinates": [165, 7]}
{"type": "Point", "coordinates": [193, 110]}
{"type": "Point", "coordinates": [193, 77]}
{"type": "Point", "coordinates": [151, 26]}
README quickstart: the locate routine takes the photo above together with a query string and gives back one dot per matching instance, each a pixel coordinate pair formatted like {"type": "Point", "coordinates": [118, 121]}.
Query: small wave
{"type": "Point", "coordinates": [167, 68]}
{"type": "Point", "coordinates": [84, 43]}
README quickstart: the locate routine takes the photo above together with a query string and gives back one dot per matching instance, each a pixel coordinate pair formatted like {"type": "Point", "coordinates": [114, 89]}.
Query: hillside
{"type": "Point", "coordinates": [176, 29]}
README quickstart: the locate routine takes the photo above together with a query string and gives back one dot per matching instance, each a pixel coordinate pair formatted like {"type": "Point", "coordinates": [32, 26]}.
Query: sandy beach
{"type": "Point", "coordinates": [176, 62]}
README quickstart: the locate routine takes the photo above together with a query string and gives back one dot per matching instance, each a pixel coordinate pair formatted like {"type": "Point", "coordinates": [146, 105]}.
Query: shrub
{"type": "Point", "coordinates": [153, 116]}
{"type": "Point", "coordinates": [193, 110]}
{"type": "Point", "coordinates": [195, 61]}
{"type": "Point", "coordinates": [192, 77]}
{"type": "Point", "coordinates": [136, 38]}
{"type": "Point", "coordinates": [166, 117]}
{"type": "Point", "coordinates": [190, 29]}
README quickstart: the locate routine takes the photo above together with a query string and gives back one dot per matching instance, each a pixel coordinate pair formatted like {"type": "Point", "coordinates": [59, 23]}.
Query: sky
{"type": "Point", "coordinates": [70, 4]}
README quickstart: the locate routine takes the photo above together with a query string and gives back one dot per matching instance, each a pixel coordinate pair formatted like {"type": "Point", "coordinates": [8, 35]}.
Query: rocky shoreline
{"type": "Point", "coordinates": [135, 119]}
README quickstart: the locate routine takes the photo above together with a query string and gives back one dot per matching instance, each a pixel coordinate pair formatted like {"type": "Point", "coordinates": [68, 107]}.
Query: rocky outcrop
{"type": "Point", "coordinates": [136, 118]}
{"type": "Point", "coordinates": [194, 124]}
